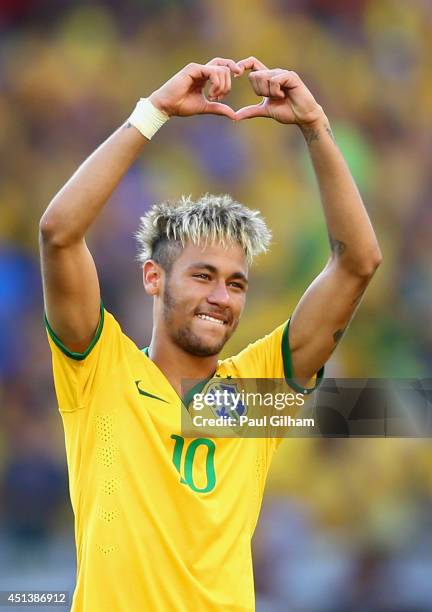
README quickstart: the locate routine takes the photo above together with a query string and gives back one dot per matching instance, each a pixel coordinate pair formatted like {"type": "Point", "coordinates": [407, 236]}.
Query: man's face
{"type": "Point", "coordinates": [203, 297]}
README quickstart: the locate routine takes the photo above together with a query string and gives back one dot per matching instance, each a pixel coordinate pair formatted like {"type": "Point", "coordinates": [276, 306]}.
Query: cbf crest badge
{"type": "Point", "coordinates": [227, 400]}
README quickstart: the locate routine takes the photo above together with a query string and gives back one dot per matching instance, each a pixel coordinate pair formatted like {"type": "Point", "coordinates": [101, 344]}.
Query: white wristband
{"type": "Point", "coordinates": [147, 118]}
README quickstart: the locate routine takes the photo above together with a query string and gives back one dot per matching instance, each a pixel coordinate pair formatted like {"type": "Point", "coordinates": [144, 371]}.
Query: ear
{"type": "Point", "coordinates": [152, 277]}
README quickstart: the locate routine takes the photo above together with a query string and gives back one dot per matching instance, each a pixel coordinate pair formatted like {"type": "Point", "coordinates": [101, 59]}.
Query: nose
{"type": "Point", "coordinates": [219, 295]}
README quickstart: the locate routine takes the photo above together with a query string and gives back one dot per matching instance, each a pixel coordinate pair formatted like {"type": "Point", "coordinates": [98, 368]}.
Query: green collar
{"type": "Point", "coordinates": [187, 398]}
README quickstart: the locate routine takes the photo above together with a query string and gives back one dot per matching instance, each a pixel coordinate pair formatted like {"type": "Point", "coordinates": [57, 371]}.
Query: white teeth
{"type": "Point", "coordinates": [209, 318]}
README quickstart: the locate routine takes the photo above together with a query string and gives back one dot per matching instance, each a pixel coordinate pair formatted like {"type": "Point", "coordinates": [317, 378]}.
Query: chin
{"type": "Point", "coordinates": [199, 345]}
{"type": "Point", "coordinates": [203, 349]}
{"type": "Point", "coordinates": [206, 347]}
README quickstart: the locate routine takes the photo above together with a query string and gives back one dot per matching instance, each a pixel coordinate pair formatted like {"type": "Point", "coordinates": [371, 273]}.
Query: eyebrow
{"type": "Point", "coordinates": [206, 266]}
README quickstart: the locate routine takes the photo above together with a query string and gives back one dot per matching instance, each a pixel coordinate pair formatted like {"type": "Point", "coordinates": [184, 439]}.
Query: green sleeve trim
{"type": "Point", "coordinates": [72, 354]}
{"type": "Point", "coordinates": [288, 370]}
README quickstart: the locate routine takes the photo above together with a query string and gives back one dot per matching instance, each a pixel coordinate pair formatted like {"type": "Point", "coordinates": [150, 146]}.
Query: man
{"type": "Point", "coordinates": [164, 522]}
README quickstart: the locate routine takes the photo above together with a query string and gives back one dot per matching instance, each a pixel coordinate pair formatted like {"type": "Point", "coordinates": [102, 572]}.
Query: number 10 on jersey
{"type": "Point", "coordinates": [187, 458]}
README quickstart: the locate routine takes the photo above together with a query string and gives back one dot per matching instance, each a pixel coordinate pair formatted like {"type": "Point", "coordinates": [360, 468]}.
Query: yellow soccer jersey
{"type": "Point", "coordinates": [162, 522]}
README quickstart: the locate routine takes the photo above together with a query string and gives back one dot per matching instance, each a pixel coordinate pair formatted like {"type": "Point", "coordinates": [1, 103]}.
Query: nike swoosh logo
{"type": "Point", "coordinates": [137, 382]}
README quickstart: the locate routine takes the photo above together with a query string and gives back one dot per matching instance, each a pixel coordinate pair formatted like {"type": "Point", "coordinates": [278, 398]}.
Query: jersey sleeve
{"type": "Point", "coordinates": [77, 375]}
{"type": "Point", "coordinates": [270, 357]}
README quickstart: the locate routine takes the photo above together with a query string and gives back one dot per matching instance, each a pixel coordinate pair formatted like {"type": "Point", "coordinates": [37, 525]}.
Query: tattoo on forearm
{"type": "Point", "coordinates": [329, 132]}
{"type": "Point", "coordinates": [310, 135]}
{"type": "Point", "coordinates": [338, 335]}
{"type": "Point", "coordinates": [337, 246]}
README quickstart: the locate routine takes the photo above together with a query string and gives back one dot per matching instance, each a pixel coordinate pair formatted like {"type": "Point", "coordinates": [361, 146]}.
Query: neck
{"type": "Point", "coordinates": [177, 365]}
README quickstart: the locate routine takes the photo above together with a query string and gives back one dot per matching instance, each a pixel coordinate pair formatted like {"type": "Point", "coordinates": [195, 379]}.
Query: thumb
{"type": "Point", "coordinates": [255, 110]}
{"type": "Point", "coordinates": [216, 108]}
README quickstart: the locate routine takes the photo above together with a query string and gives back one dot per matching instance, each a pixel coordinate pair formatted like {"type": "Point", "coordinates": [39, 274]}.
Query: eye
{"type": "Point", "coordinates": [236, 285]}
{"type": "Point", "coordinates": [202, 275]}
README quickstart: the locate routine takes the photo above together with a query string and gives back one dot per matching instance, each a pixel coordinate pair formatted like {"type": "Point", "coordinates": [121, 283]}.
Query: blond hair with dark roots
{"type": "Point", "coordinates": [212, 219]}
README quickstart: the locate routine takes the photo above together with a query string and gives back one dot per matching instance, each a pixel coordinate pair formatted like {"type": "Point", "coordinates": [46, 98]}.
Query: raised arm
{"type": "Point", "coordinates": [70, 282]}
{"type": "Point", "coordinates": [327, 306]}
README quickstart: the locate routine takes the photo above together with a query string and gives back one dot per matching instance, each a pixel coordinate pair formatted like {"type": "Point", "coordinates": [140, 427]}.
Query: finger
{"type": "Point", "coordinates": [226, 82]}
{"type": "Point", "coordinates": [216, 108]}
{"type": "Point", "coordinates": [223, 72]}
{"type": "Point", "coordinates": [255, 110]}
{"type": "Point", "coordinates": [215, 84]}
{"type": "Point", "coordinates": [216, 75]}
{"type": "Point", "coordinates": [291, 82]}
{"type": "Point", "coordinates": [288, 79]}
{"type": "Point", "coordinates": [201, 72]}
{"type": "Point", "coordinates": [255, 83]}
{"type": "Point", "coordinates": [251, 63]}
{"type": "Point", "coordinates": [276, 90]}
{"type": "Point", "coordinates": [229, 63]}
{"type": "Point", "coordinates": [260, 83]}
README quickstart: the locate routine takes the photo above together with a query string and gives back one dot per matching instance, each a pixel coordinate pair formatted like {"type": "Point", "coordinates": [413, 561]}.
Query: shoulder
{"type": "Point", "coordinates": [108, 338]}
{"type": "Point", "coordinates": [261, 358]}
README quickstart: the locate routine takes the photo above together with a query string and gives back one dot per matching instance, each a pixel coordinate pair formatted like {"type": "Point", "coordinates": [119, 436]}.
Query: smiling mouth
{"type": "Point", "coordinates": [211, 319]}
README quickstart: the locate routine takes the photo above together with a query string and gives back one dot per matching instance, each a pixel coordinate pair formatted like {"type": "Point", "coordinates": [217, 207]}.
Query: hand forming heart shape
{"type": "Point", "coordinates": [285, 97]}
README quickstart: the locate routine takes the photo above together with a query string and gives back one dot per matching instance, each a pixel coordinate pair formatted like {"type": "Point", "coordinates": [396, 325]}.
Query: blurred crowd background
{"type": "Point", "coordinates": [346, 524]}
